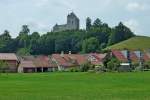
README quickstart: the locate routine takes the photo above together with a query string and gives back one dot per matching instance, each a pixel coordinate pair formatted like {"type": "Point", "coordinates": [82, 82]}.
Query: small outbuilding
{"type": "Point", "coordinates": [11, 62]}
{"type": "Point", "coordinates": [31, 64]}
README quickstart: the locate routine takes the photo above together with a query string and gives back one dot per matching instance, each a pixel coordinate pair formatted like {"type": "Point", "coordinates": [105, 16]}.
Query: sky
{"type": "Point", "coordinates": [42, 15]}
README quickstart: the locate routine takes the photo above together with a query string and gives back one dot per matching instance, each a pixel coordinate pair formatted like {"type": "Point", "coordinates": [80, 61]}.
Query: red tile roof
{"type": "Point", "coordinates": [119, 55]}
{"type": "Point", "coordinates": [69, 60]}
{"type": "Point", "coordinates": [133, 56]}
{"type": "Point", "coordinates": [42, 61]}
{"type": "Point", "coordinates": [38, 61]}
{"type": "Point", "coordinates": [98, 58]}
{"type": "Point", "coordinates": [147, 57]}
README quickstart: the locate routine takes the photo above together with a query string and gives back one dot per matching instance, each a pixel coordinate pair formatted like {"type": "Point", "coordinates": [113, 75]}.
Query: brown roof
{"type": "Point", "coordinates": [43, 61]}
{"type": "Point", "coordinates": [98, 58]}
{"type": "Point", "coordinates": [63, 61]}
{"type": "Point", "coordinates": [27, 64]}
{"type": "Point", "coordinates": [38, 61]}
{"type": "Point", "coordinates": [69, 60]}
{"type": "Point", "coordinates": [120, 56]}
{"type": "Point", "coordinates": [80, 59]}
{"type": "Point", "coordinates": [8, 56]}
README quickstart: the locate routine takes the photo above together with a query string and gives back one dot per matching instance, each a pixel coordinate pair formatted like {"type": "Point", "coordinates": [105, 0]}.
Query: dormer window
{"type": "Point", "coordinates": [92, 58]}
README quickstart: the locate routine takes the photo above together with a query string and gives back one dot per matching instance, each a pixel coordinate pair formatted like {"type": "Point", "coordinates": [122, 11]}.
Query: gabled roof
{"type": "Point", "coordinates": [68, 60]}
{"type": "Point", "coordinates": [80, 59]}
{"type": "Point", "coordinates": [146, 57]}
{"type": "Point", "coordinates": [120, 56]}
{"type": "Point", "coordinates": [42, 61]}
{"type": "Point", "coordinates": [96, 58]}
{"type": "Point", "coordinates": [27, 64]}
{"type": "Point", "coordinates": [8, 56]}
{"type": "Point", "coordinates": [133, 56]}
{"type": "Point", "coordinates": [38, 61]}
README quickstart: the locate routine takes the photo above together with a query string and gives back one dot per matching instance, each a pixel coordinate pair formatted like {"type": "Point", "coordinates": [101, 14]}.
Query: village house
{"type": "Point", "coordinates": [11, 61]}
{"type": "Point", "coordinates": [36, 64]}
{"type": "Point", "coordinates": [96, 59]}
{"type": "Point", "coordinates": [65, 61]}
{"type": "Point", "coordinates": [129, 58]}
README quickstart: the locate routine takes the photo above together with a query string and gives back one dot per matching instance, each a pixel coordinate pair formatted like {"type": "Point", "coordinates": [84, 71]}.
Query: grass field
{"type": "Point", "coordinates": [75, 86]}
{"type": "Point", "coordinates": [138, 42]}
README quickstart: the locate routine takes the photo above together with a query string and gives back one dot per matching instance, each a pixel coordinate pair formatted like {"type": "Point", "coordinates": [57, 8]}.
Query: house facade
{"type": "Point", "coordinates": [11, 62]}
{"type": "Point", "coordinates": [96, 59]}
{"type": "Point", "coordinates": [128, 58]}
{"type": "Point", "coordinates": [30, 64]}
{"type": "Point", "coordinates": [65, 61]}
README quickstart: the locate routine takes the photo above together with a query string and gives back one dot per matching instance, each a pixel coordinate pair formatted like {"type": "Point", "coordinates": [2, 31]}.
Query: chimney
{"type": "Point", "coordinates": [69, 52]}
{"type": "Point", "coordinates": [62, 54]}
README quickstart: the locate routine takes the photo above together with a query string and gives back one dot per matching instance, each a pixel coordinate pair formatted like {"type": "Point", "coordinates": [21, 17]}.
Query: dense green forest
{"type": "Point", "coordinates": [94, 38]}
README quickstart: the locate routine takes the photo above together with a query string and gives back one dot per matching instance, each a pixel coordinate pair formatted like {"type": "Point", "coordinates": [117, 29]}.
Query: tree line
{"type": "Point", "coordinates": [94, 38]}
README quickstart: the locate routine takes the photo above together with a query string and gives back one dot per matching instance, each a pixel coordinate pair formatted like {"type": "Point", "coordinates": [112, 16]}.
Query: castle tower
{"type": "Point", "coordinates": [73, 22]}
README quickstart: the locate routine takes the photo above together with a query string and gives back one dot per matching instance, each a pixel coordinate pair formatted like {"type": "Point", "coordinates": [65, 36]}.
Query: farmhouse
{"type": "Point", "coordinates": [96, 58]}
{"type": "Point", "coordinates": [36, 64]}
{"type": "Point", "coordinates": [129, 58]}
{"type": "Point", "coordinates": [64, 61]}
{"type": "Point", "coordinates": [11, 62]}
{"type": "Point", "coordinates": [134, 56]}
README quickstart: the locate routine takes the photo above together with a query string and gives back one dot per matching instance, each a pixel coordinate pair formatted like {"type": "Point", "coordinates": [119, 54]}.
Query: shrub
{"type": "Point", "coordinates": [147, 65]}
{"type": "Point", "coordinates": [3, 66]}
{"type": "Point", "coordinates": [85, 67]}
{"type": "Point", "coordinates": [74, 69]}
{"type": "Point", "coordinates": [135, 65]}
{"type": "Point", "coordinates": [113, 64]}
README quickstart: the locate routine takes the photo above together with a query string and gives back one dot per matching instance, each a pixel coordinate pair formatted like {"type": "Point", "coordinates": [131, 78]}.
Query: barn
{"type": "Point", "coordinates": [11, 62]}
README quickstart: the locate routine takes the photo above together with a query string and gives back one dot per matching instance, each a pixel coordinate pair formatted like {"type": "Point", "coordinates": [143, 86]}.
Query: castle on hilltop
{"type": "Point", "coordinates": [73, 23]}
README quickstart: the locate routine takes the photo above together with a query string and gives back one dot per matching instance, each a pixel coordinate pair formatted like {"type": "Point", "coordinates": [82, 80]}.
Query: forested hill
{"type": "Point", "coordinates": [138, 42]}
{"type": "Point", "coordinates": [98, 35]}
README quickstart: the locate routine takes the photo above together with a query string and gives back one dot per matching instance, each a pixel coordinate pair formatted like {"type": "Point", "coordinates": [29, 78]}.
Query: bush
{"type": "Point", "coordinates": [147, 65]}
{"type": "Point", "coordinates": [135, 65]}
{"type": "Point", "coordinates": [100, 69]}
{"type": "Point", "coordinates": [3, 67]}
{"type": "Point", "coordinates": [85, 67]}
{"type": "Point", "coordinates": [113, 64]}
{"type": "Point", "coordinates": [73, 69]}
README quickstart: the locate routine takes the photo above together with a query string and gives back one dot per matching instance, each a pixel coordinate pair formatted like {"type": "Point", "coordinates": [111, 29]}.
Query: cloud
{"type": "Point", "coordinates": [135, 6]}
{"type": "Point", "coordinates": [65, 4]}
{"type": "Point", "coordinates": [41, 15]}
{"type": "Point", "coordinates": [41, 3]}
{"type": "Point", "coordinates": [134, 25]}
{"type": "Point", "coordinates": [38, 26]}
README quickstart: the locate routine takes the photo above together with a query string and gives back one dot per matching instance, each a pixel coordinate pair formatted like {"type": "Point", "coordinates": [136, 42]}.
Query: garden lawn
{"type": "Point", "coordinates": [75, 86]}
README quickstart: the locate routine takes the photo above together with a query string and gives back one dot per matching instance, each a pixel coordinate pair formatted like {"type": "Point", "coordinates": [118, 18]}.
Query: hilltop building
{"type": "Point", "coordinates": [73, 23]}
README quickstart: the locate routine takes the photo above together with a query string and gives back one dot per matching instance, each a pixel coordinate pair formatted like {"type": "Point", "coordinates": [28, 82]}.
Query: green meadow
{"type": "Point", "coordinates": [138, 42]}
{"type": "Point", "coordinates": [75, 86]}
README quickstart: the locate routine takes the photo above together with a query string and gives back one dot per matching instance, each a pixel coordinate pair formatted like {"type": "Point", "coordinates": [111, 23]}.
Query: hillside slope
{"type": "Point", "coordinates": [138, 42]}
